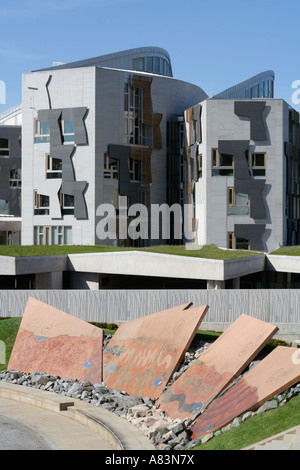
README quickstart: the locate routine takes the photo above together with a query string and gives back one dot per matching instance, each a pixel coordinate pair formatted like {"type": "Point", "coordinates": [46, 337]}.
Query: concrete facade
{"type": "Point", "coordinates": [265, 183]}
{"type": "Point", "coordinates": [153, 99]}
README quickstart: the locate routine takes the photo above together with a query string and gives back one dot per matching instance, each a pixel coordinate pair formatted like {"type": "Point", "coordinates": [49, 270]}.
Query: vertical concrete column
{"type": "Point", "coordinates": [45, 281]}
{"type": "Point", "coordinates": [236, 283]}
{"type": "Point", "coordinates": [215, 285]}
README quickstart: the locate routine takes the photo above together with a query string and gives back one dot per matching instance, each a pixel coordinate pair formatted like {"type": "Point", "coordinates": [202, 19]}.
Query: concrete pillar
{"type": "Point", "coordinates": [48, 281]}
{"type": "Point", "coordinates": [236, 283]}
{"type": "Point", "coordinates": [215, 285]}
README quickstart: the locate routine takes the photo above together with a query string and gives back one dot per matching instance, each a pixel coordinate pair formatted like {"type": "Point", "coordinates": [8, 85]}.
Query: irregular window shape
{"type": "Point", "coordinates": [4, 206]}
{"type": "Point", "coordinates": [41, 204]}
{"type": "Point", "coordinates": [15, 178]}
{"type": "Point", "coordinates": [4, 147]}
{"type": "Point", "coordinates": [54, 167]}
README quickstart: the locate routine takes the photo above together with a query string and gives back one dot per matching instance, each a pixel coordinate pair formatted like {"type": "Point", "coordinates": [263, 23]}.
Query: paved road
{"type": "Point", "coordinates": [16, 436]}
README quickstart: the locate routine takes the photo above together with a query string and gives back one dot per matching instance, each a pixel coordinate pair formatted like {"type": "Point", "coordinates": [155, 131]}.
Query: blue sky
{"type": "Point", "coordinates": [212, 43]}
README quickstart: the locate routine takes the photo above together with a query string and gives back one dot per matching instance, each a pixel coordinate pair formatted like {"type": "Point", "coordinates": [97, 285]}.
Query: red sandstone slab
{"type": "Point", "coordinates": [221, 363]}
{"type": "Point", "coordinates": [144, 353]}
{"type": "Point", "coordinates": [277, 372]}
{"type": "Point", "coordinates": [55, 342]}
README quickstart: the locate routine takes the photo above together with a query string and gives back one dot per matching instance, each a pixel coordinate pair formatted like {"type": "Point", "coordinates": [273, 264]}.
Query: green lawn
{"type": "Point", "coordinates": [257, 428]}
{"type": "Point", "coordinates": [207, 251]}
{"type": "Point", "coordinates": [287, 251]}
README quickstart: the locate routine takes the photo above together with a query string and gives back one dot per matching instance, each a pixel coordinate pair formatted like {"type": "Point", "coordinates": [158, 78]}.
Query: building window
{"type": "Point", "coordinates": [135, 131]}
{"type": "Point", "coordinates": [200, 166]}
{"type": "Point", "coordinates": [41, 204]}
{"type": "Point", "coordinates": [230, 240]}
{"type": "Point", "coordinates": [15, 178]}
{"type": "Point", "coordinates": [135, 169]}
{"type": "Point", "coordinates": [4, 206]}
{"type": "Point", "coordinates": [222, 164]}
{"type": "Point", "coordinates": [68, 131]}
{"type": "Point", "coordinates": [10, 238]}
{"type": "Point", "coordinates": [41, 132]}
{"type": "Point", "coordinates": [257, 164]}
{"type": "Point", "coordinates": [4, 148]}
{"type": "Point", "coordinates": [66, 203]}
{"type": "Point", "coordinates": [110, 167]}
{"type": "Point", "coordinates": [238, 203]}
{"type": "Point", "coordinates": [139, 64]}
{"type": "Point", "coordinates": [53, 167]}
{"type": "Point", "coordinates": [56, 235]}
{"type": "Point", "coordinates": [237, 243]}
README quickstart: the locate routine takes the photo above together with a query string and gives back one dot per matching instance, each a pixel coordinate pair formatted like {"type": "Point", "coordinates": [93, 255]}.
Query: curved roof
{"type": "Point", "coordinates": [236, 90]}
{"type": "Point", "coordinates": [115, 59]}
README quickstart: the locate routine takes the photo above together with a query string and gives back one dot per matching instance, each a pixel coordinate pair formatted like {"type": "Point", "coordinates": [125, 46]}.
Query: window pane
{"type": "Point", "coordinates": [156, 61]}
{"type": "Point", "coordinates": [47, 235]}
{"type": "Point", "coordinates": [242, 244]}
{"type": "Point", "coordinates": [226, 160]}
{"type": "Point", "coordinates": [214, 157]}
{"type": "Point", "coordinates": [258, 159]}
{"type": "Point", "coordinates": [56, 164]}
{"type": "Point", "coordinates": [69, 127]}
{"type": "Point", "coordinates": [44, 201]}
{"type": "Point", "coordinates": [68, 235]}
{"type": "Point", "coordinates": [36, 235]}
{"type": "Point", "coordinates": [149, 64]}
{"type": "Point", "coordinates": [241, 199]}
{"type": "Point", "coordinates": [4, 143]}
{"type": "Point", "coordinates": [138, 64]}
{"type": "Point", "coordinates": [255, 91]}
{"type": "Point", "coordinates": [4, 208]}
{"type": "Point", "coordinates": [68, 200]}
{"type": "Point", "coordinates": [54, 236]}
{"type": "Point", "coordinates": [44, 128]}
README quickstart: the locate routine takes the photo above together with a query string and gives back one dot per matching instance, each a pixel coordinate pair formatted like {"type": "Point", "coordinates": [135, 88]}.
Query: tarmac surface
{"type": "Point", "coordinates": [32, 419]}
{"type": "Point", "coordinates": [17, 436]}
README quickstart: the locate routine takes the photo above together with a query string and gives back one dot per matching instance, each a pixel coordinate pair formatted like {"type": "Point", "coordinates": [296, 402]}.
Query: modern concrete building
{"type": "Point", "coordinates": [104, 134]}
{"type": "Point", "coordinates": [10, 184]}
{"type": "Point", "coordinates": [244, 173]}
{"type": "Point", "coordinates": [95, 130]}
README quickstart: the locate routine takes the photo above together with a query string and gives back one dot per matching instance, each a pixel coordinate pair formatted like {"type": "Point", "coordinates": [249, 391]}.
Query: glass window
{"type": "Point", "coordinates": [255, 91]}
{"type": "Point", "coordinates": [42, 128]}
{"type": "Point", "coordinates": [156, 64]}
{"type": "Point", "coordinates": [57, 235]}
{"type": "Point", "coordinates": [15, 178]}
{"type": "Point", "coordinates": [139, 64]}
{"type": "Point", "coordinates": [214, 157]}
{"type": "Point", "coordinates": [230, 240]}
{"type": "Point", "coordinates": [4, 147]}
{"type": "Point", "coordinates": [42, 132]}
{"type": "Point", "coordinates": [69, 127]}
{"type": "Point", "coordinates": [68, 200]}
{"type": "Point", "coordinates": [242, 244]}
{"type": "Point", "coordinates": [149, 64]}
{"type": "Point", "coordinates": [226, 160]}
{"type": "Point", "coordinates": [67, 235]}
{"type": "Point", "coordinates": [258, 159]}
{"type": "Point", "coordinates": [230, 197]}
{"type": "Point", "coordinates": [241, 199]}
{"type": "Point", "coordinates": [4, 206]}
